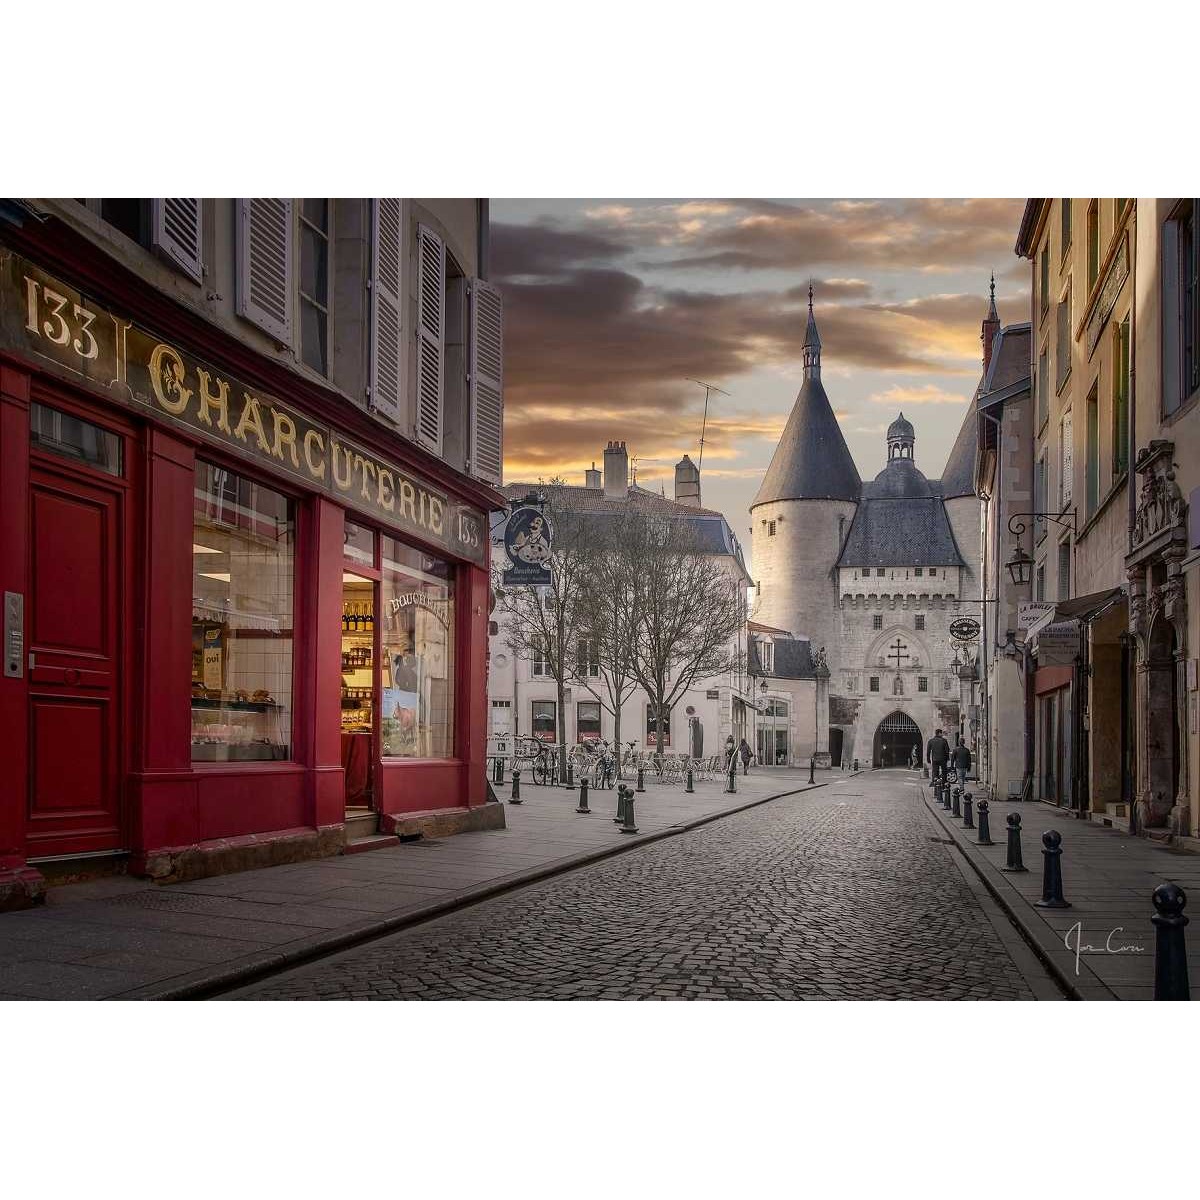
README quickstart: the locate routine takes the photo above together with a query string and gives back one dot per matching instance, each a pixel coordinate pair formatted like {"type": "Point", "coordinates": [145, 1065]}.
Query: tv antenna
{"type": "Point", "coordinates": [709, 388]}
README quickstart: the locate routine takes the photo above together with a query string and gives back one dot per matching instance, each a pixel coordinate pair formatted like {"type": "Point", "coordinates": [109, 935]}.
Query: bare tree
{"type": "Point", "coordinates": [545, 622]}
{"type": "Point", "coordinates": [689, 608]}
{"type": "Point", "coordinates": [607, 612]}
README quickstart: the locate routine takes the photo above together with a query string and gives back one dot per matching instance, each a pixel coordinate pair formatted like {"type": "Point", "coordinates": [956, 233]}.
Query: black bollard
{"type": "Point", "coordinates": [619, 819]}
{"type": "Point", "coordinates": [641, 782]}
{"type": "Point", "coordinates": [1052, 885]}
{"type": "Point", "coordinates": [954, 808]}
{"type": "Point", "coordinates": [811, 763]}
{"type": "Point", "coordinates": [943, 794]}
{"type": "Point", "coordinates": [571, 773]}
{"type": "Point", "coordinates": [629, 826]}
{"type": "Point", "coordinates": [1014, 844]}
{"type": "Point", "coordinates": [583, 796]}
{"type": "Point", "coordinates": [968, 821]}
{"type": "Point", "coordinates": [516, 792]}
{"type": "Point", "coordinates": [689, 787]}
{"type": "Point", "coordinates": [1170, 951]}
{"type": "Point", "coordinates": [731, 785]}
{"type": "Point", "coordinates": [985, 830]}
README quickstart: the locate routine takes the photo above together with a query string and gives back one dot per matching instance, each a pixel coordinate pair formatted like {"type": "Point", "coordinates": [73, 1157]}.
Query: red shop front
{"type": "Point", "coordinates": [241, 625]}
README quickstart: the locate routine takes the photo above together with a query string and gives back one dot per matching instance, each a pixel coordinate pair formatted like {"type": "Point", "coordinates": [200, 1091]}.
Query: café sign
{"type": "Point", "coordinates": [77, 339]}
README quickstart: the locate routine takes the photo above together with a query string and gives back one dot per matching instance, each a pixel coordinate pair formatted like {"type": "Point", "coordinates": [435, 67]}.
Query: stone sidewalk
{"type": "Point", "coordinates": [1108, 878]}
{"type": "Point", "coordinates": [128, 939]}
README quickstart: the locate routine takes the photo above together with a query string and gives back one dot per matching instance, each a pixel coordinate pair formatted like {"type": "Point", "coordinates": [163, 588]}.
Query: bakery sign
{"type": "Point", "coordinates": [75, 338]}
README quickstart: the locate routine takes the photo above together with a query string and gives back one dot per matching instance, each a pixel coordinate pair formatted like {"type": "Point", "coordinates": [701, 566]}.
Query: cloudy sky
{"type": "Point", "coordinates": [612, 304]}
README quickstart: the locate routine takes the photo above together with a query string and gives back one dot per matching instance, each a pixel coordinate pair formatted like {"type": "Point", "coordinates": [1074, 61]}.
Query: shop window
{"type": "Point", "coordinates": [243, 571]}
{"type": "Point", "coordinates": [359, 544]}
{"type": "Point", "coordinates": [70, 437]}
{"type": "Point", "coordinates": [652, 726]}
{"type": "Point", "coordinates": [587, 720]}
{"type": "Point", "coordinates": [417, 647]}
{"type": "Point", "coordinates": [544, 725]}
{"type": "Point", "coordinates": [314, 284]}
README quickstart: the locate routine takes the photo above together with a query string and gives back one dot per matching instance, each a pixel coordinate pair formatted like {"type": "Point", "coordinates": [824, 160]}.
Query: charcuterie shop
{"type": "Point", "coordinates": [237, 631]}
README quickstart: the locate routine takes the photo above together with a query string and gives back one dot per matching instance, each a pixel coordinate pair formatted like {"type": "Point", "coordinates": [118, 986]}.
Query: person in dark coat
{"type": "Point", "coordinates": [746, 754]}
{"type": "Point", "coordinates": [937, 755]}
{"type": "Point", "coordinates": [962, 760]}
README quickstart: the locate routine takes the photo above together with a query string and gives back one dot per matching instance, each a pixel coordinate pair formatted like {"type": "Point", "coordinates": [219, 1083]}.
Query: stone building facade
{"type": "Point", "coordinates": [874, 574]}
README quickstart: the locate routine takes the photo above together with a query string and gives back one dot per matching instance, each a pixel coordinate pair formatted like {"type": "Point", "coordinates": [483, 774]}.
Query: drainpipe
{"type": "Point", "coordinates": [1131, 507]}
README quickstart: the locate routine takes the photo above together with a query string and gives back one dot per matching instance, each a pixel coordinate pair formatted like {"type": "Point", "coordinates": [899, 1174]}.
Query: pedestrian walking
{"type": "Point", "coordinates": [938, 756]}
{"type": "Point", "coordinates": [745, 753]}
{"type": "Point", "coordinates": [962, 760]}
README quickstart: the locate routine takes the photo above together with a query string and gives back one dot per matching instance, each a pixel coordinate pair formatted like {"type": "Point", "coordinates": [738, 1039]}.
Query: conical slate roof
{"type": "Point", "coordinates": [958, 479]}
{"type": "Point", "coordinates": [812, 460]}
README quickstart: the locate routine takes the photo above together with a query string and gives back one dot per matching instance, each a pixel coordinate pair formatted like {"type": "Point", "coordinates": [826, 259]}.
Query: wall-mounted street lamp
{"type": "Point", "coordinates": [1020, 566]}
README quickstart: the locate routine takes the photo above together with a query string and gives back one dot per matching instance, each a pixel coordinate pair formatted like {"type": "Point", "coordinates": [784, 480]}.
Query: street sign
{"type": "Point", "coordinates": [1058, 644]}
{"type": "Point", "coordinates": [965, 629]}
{"type": "Point", "coordinates": [1032, 614]}
{"type": "Point", "coordinates": [528, 537]}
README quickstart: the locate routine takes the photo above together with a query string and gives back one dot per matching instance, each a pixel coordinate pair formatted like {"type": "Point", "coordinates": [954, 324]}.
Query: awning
{"type": "Point", "coordinates": [1088, 608]}
{"type": "Point", "coordinates": [1078, 608]}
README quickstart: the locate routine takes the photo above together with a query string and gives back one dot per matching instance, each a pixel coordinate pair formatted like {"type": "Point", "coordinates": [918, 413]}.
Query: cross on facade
{"type": "Point", "coordinates": [899, 651]}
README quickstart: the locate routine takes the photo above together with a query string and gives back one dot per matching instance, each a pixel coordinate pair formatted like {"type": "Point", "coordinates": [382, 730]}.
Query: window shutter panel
{"type": "Point", "coordinates": [176, 233]}
{"type": "Point", "coordinates": [487, 381]}
{"type": "Point", "coordinates": [1067, 460]}
{"type": "Point", "coordinates": [386, 311]}
{"type": "Point", "coordinates": [431, 333]}
{"type": "Point", "coordinates": [264, 260]}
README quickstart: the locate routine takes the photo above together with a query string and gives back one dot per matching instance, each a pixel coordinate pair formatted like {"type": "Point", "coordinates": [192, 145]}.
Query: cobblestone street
{"type": "Point", "coordinates": [845, 892]}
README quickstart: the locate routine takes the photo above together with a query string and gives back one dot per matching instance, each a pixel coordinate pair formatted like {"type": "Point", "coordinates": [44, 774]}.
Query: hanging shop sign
{"type": "Point", "coordinates": [528, 537]}
{"type": "Point", "coordinates": [1058, 644]}
{"type": "Point", "coordinates": [965, 629]}
{"type": "Point", "coordinates": [77, 339]}
{"type": "Point", "coordinates": [1031, 614]}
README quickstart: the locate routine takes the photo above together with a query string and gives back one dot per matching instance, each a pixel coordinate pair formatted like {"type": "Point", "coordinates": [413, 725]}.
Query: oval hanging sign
{"type": "Point", "coordinates": [965, 629]}
{"type": "Point", "coordinates": [527, 540]}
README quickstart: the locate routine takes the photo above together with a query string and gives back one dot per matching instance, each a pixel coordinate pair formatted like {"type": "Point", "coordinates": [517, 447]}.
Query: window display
{"type": "Point", "coordinates": [417, 651]}
{"type": "Point", "coordinates": [243, 551]}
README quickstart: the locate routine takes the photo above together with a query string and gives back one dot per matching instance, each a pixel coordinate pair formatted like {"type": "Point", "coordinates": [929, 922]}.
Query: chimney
{"type": "Point", "coordinates": [616, 471]}
{"type": "Point", "coordinates": [687, 482]}
{"type": "Point", "coordinates": [591, 478]}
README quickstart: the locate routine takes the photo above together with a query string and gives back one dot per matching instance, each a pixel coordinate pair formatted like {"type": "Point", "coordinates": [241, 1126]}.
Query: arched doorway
{"type": "Point", "coordinates": [895, 738]}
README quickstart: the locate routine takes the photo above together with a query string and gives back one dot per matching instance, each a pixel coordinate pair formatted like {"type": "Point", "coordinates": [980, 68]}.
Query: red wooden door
{"type": "Point", "coordinates": [75, 548]}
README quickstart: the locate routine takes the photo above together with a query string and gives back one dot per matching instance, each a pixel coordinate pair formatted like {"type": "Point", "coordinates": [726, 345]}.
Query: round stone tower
{"type": "Point", "coordinates": [803, 511]}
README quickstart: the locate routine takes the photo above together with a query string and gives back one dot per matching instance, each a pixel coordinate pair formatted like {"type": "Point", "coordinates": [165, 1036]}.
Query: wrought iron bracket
{"type": "Point", "coordinates": [1016, 526]}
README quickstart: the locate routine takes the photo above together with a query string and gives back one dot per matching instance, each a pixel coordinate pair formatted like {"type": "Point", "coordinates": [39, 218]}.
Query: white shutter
{"type": "Point", "coordinates": [176, 233]}
{"type": "Point", "coordinates": [1067, 461]}
{"type": "Point", "coordinates": [487, 381]}
{"type": "Point", "coordinates": [386, 312]}
{"type": "Point", "coordinates": [265, 275]}
{"type": "Point", "coordinates": [431, 334]}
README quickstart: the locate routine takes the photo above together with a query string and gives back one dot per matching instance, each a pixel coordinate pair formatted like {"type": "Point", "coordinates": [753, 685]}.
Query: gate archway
{"type": "Point", "coordinates": [895, 738]}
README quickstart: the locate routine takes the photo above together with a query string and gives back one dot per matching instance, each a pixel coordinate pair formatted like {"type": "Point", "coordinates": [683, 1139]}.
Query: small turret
{"type": "Point", "coordinates": [990, 327]}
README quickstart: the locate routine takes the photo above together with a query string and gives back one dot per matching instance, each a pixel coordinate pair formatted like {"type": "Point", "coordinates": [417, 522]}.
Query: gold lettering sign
{"type": "Point", "coordinates": [61, 331]}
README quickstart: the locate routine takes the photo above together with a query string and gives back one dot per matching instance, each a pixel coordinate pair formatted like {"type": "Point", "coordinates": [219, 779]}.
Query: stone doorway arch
{"type": "Point", "coordinates": [895, 737]}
